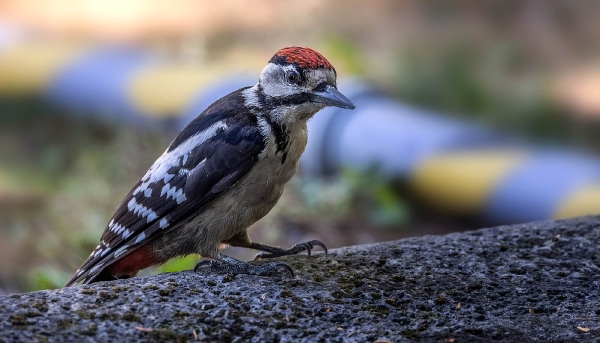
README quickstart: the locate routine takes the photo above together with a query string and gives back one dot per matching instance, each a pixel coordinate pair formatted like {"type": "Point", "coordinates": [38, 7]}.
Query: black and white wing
{"type": "Point", "coordinates": [210, 155]}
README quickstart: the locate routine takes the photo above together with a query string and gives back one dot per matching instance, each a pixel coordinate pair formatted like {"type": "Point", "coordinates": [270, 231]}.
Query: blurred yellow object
{"type": "Point", "coordinates": [165, 90]}
{"type": "Point", "coordinates": [28, 68]}
{"type": "Point", "coordinates": [462, 182]}
{"type": "Point", "coordinates": [584, 201]}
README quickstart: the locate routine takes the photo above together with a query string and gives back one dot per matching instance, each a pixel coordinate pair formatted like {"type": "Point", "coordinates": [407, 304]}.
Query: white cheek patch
{"type": "Point", "coordinates": [273, 83]}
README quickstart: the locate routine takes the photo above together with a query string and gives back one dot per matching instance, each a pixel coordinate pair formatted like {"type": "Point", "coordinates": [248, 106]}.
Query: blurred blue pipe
{"type": "Point", "coordinates": [462, 167]}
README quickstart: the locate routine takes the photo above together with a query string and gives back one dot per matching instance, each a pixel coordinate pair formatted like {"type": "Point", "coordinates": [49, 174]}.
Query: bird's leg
{"type": "Point", "coordinates": [269, 251]}
{"type": "Point", "coordinates": [229, 265]}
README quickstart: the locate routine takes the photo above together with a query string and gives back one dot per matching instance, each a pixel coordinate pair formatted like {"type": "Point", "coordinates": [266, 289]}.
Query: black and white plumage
{"type": "Point", "coordinates": [223, 172]}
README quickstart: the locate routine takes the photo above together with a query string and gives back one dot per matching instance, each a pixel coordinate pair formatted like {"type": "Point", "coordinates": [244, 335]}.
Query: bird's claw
{"type": "Point", "coordinates": [296, 248]}
{"type": "Point", "coordinates": [318, 243]}
{"type": "Point", "coordinates": [202, 264]}
{"type": "Point", "coordinates": [283, 266]}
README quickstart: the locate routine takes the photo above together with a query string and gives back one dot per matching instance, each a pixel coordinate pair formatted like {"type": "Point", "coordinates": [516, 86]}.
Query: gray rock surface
{"type": "Point", "coordinates": [530, 282]}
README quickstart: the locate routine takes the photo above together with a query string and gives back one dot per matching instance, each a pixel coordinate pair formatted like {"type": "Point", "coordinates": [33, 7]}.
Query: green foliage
{"type": "Point", "coordinates": [362, 195]}
{"type": "Point", "coordinates": [376, 196]}
{"type": "Point", "coordinates": [485, 83]}
{"type": "Point", "coordinates": [47, 277]}
{"type": "Point", "coordinates": [178, 264]}
{"type": "Point", "coordinates": [347, 55]}
{"type": "Point", "coordinates": [449, 81]}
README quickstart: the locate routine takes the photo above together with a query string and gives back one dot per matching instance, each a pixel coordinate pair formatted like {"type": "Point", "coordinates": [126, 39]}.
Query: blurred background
{"type": "Point", "coordinates": [469, 114]}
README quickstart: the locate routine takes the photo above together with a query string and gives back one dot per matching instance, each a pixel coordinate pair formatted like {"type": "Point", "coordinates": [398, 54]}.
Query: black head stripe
{"type": "Point", "coordinates": [290, 100]}
{"type": "Point", "coordinates": [282, 137]}
{"type": "Point", "coordinates": [274, 102]}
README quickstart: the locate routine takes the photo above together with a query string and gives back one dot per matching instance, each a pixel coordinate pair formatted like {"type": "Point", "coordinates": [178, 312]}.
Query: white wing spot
{"type": "Point", "coordinates": [148, 192]}
{"type": "Point", "coordinates": [173, 193]}
{"type": "Point", "coordinates": [120, 251]}
{"type": "Point", "coordinates": [152, 216]}
{"type": "Point", "coordinates": [140, 238]}
{"type": "Point", "coordinates": [168, 177]}
{"type": "Point", "coordinates": [96, 267]}
{"type": "Point", "coordinates": [117, 228]}
{"type": "Point", "coordinates": [131, 204]}
{"type": "Point", "coordinates": [166, 188]}
{"type": "Point", "coordinates": [159, 170]}
{"type": "Point", "coordinates": [141, 210]}
{"type": "Point", "coordinates": [164, 223]}
{"type": "Point", "coordinates": [126, 234]}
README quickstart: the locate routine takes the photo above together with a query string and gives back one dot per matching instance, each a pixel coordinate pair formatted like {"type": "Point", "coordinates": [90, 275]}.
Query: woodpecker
{"type": "Point", "coordinates": [223, 172]}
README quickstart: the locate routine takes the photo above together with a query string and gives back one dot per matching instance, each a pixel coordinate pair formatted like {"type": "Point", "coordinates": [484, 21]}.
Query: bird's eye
{"type": "Point", "coordinates": [293, 77]}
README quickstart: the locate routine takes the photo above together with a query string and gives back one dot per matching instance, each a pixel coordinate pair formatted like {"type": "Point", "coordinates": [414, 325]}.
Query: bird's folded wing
{"type": "Point", "coordinates": [194, 171]}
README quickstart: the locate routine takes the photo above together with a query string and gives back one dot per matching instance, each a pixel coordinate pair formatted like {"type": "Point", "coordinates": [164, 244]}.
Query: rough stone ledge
{"type": "Point", "coordinates": [530, 282]}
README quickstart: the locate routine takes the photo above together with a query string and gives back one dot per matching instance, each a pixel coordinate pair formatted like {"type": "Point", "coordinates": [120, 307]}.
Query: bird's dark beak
{"type": "Point", "coordinates": [332, 97]}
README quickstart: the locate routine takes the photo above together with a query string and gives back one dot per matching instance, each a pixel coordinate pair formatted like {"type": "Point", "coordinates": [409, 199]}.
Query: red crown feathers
{"type": "Point", "coordinates": [303, 57]}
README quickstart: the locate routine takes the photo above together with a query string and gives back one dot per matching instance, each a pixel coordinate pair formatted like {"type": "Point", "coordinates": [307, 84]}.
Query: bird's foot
{"type": "Point", "coordinates": [229, 265]}
{"type": "Point", "coordinates": [270, 252]}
